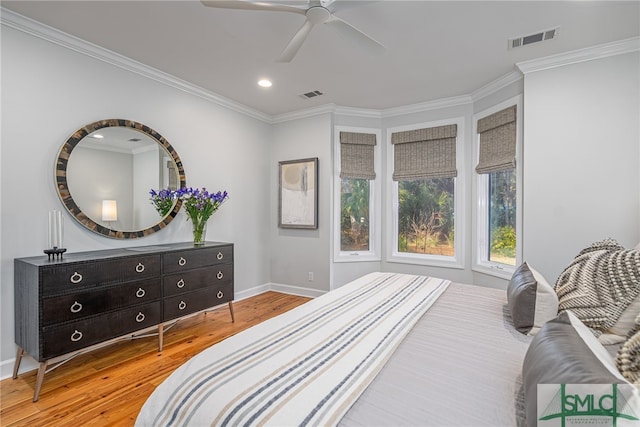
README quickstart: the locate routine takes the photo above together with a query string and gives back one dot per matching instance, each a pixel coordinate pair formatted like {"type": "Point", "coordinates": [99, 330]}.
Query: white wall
{"type": "Point", "coordinates": [49, 91]}
{"type": "Point", "coordinates": [581, 159]}
{"type": "Point", "coordinates": [295, 253]}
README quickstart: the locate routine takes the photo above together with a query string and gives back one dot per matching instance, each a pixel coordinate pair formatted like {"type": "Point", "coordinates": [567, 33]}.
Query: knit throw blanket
{"type": "Point", "coordinates": [600, 283]}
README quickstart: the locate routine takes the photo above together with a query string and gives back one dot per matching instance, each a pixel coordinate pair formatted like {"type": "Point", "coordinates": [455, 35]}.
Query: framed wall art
{"type": "Point", "coordinates": [298, 193]}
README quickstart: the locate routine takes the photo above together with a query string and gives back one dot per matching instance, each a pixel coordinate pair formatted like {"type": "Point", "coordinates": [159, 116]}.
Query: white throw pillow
{"type": "Point", "coordinates": [546, 302]}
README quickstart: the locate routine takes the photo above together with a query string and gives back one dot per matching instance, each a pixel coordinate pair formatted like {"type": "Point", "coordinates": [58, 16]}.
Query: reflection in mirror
{"type": "Point", "coordinates": [104, 173]}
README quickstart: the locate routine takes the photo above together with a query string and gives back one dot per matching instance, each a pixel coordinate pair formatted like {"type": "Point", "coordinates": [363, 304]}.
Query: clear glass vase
{"type": "Point", "coordinates": [199, 232]}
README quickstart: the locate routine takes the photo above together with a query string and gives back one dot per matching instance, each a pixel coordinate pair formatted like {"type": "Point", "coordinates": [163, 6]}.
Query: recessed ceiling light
{"type": "Point", "coordinates": [264, 83]}
{"type": "Point", "coordinates": [97, 136]}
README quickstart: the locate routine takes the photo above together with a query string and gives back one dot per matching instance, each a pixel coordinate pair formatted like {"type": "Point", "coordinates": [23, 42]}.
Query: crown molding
{"type": "Point", "coordinates": [52, 35]}
{"type": "Point", "coordinates": [496, 85]}
{"type": "Point", "coordinates": [581, 55]}
{"type": "Point", "coordinates": [301, 114]}
{"type": "Point", "coordinates": [427, 106]}
{"type": "Point", "coordinates": [371, 113]}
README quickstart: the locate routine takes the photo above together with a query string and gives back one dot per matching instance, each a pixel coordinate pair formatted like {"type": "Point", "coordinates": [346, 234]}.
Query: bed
{"type": "Point", "coordinates": [386, 349]}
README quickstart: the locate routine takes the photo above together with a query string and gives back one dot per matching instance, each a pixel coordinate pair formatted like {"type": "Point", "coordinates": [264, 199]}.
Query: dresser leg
{"type": "Point", "coordinates": [39, 380]}
{"type": "Point", "coordinates": [16, 365]}
{"type": "Point", "coordinates": [160, 337]}
{"type": "Point", "coordinates": [233, 317]}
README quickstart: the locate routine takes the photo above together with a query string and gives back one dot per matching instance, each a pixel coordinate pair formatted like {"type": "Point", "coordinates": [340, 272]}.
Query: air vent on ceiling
{"type": "Point", "coordinates": [534, 38]}
{"type": "Point", "coordinates": [134, 139]}
{"type": "Point", "coordinates": [311, 94]}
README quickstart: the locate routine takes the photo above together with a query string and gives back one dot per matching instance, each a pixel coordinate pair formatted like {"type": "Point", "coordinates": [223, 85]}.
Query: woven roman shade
{"type": "Point", "coordinates": [497, 141]}
{"type": "Point", "coordinates": [356, 155]}
{"type": "Point", "coordinates": [425, 153]}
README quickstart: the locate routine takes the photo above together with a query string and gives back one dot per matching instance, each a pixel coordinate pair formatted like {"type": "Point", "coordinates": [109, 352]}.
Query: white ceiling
{"type": "Point", "coordinates": [434, 49]}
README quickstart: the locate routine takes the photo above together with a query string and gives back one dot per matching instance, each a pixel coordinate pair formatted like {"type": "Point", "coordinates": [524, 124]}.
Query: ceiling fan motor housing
{"type": "Point", "coordinates": [318, 15]}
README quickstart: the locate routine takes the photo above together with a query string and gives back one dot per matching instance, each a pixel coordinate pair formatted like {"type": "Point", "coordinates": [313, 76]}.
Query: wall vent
{"type": "Point", "coordinates": [311, 94]}
{"type": "Point", "coordinates": [541, 36]}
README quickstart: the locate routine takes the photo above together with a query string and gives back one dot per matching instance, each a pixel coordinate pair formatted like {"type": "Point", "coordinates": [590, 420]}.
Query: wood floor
{"type": "Point", "coordinates": [109, 386]}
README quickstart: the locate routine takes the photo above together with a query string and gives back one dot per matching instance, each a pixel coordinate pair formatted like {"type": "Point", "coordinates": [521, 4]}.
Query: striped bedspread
{"type": "Point", "coordinates": [304, 367]}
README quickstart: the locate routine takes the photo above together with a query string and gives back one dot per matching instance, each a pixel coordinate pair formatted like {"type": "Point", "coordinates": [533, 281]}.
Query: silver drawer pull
{"type": "Point", "coordinates": [139, 268]}
{"type": "Point", "coordinates": [220, 295]}
{"type": "Point", "coordinates": [76, 278]}
{"type": "Point", "coordinates": [76, 336]}
{"type": "Point", "coordinates": [182, 261]}
{"type": "Point", "coordinates": [182, 305]}
{"type": "Point", "coordinates": [140, 293]}
{"type": "Point", "coordinates": [140, 317]}
{"type": "Point", "coordinates": [76, 307]}
{"type": "Point", "coordinates": [219, 275]}
{"type": "Point", "coordinates": [220, 255]}
{"type": "Point", "coordinates": [180, 283]}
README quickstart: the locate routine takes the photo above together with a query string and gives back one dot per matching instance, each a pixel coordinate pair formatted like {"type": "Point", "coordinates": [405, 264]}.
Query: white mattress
{"type": "Point", "coordinates": [460, 366]}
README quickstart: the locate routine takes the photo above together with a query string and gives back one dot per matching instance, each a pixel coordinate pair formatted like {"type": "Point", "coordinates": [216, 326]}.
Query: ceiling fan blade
{"type": "Point", "coordinates": [296, 42]}
{"type": "Point", "coordinates": [249, 5]}
{"type": "Point", "coordinates": [352, 33]}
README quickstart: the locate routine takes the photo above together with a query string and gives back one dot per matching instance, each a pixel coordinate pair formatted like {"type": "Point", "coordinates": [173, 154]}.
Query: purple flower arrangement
{"type": "Point", "coordinates": [199, 205]}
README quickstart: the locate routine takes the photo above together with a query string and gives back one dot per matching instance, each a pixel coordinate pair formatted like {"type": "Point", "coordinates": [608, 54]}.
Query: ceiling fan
{"type": "Point", "coordinates": [316, 12]}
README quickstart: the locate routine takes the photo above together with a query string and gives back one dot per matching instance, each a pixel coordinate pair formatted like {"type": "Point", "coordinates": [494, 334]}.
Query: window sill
{"type": "Point", "coordinates": [357, 257]}
{"type": "Point", "coordinates": [495, 270]}
{"type": "Point", "coordinates": [430, 261]}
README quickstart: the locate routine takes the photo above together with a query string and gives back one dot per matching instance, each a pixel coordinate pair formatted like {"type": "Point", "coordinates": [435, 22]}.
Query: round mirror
{"type": "Point", "coordinates": [105, 171]}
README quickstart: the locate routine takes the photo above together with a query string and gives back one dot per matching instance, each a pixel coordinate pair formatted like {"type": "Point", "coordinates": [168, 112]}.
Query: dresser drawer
{"type": "Point", "coordinates": [83, 304]}
{"type": "Point", "coordinates": [181, 305]}
{"type": "Point", "coordinates": [186, 260]}
{"type": "Point", "coordinates": [72, 336]}
{"type": "Point", "coordinates": [192, 280]}
{"type": "Point", "coordinates": [87, 275]}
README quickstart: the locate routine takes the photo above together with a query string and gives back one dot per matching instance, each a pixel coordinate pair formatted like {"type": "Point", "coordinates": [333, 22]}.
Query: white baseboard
{"type": "Point", "coordinates": [248, 293]}
{"type": "Point", "coordinates": [30, 364]}
{"type": "Point", "coordinates": [296, 290]}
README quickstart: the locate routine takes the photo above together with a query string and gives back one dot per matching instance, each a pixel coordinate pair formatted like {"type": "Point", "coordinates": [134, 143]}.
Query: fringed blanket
{"type": "Point", "coordinates": [304, 367]}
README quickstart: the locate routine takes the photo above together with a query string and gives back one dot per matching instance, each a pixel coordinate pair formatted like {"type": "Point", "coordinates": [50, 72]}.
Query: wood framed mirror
{"type": "Point", "coordinates": [117, 162]}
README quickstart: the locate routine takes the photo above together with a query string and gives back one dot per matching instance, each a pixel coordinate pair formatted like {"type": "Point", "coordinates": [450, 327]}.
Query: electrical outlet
{"type": "Point", "coordinates": [311, 276]}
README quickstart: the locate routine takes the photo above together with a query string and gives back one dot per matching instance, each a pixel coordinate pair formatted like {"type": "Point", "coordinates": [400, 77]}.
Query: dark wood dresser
{"type": "Point", "coordinates": [63, 306]}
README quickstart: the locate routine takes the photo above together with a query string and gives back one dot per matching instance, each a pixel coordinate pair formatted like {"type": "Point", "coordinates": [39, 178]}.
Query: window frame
{"type": "Point", "coordinates": [480, 232]}
{"type": "Point", "coordinates": [392, 253]}
{"type": "Point", "coordinates": [375, 205]}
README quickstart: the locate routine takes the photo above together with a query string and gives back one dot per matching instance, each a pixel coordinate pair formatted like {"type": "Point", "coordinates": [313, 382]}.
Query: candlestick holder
{"type": "Point", "coordinates": [55, 252]}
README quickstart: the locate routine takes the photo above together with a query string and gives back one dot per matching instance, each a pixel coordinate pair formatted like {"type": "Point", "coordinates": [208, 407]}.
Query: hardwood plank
{"type": "Point", "coordinates": [108, 386]}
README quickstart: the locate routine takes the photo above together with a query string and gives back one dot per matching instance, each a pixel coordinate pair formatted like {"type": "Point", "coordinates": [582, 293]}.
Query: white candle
{"type": "Point", "coordinates": [59, 228]}
{"type": "Point", "coordinates": [56, 229]}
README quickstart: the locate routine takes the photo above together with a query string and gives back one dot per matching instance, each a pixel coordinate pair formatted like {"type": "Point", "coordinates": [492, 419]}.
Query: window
{"type": "Point", "coordinates": [498, 189]}
{"type": "Point", "coordinates": [356, 235]}
{"type": "Point", "coordinates": [354, 214]}
{"type": "Point", "coordinates": [425, 204]}
{"type": "Point", "coordinates": [502, 217]}
{"type": "Point", "coordinates": [426, 216]}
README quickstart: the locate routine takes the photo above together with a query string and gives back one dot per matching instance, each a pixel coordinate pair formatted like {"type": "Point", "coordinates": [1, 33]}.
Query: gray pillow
{"type": "Point", "coordinates": [564, 352]}
{"type": "Point", "coordinates": [532, 300]}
